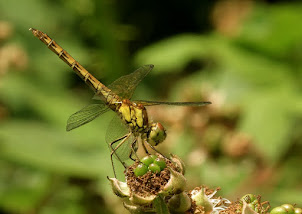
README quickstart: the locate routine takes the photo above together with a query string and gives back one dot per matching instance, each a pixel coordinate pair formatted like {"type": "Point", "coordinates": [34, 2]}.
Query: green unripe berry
{"type": "Point", "coordinates": [140, 170]}
{"type": "Point", "coordinates": [154, 157]}
{"type": "Point", "coordinates": [248, 198]}
{"type": "Point", "coordinates": [160, 162]}
{"type": "Point", "coordinates": [147, 160]}
{"type": "Point", "coordinates": [298, 210]}
{"type": "Point", "coordinates": [278, 210]}
{"type": "Point", "coordinates": [154, 168]}
{"type": "Point", "coordinates": [289, 208]}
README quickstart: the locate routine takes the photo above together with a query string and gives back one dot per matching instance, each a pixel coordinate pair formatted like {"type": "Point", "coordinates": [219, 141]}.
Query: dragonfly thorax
{"type": "Point", "coordinates": [134, 115]}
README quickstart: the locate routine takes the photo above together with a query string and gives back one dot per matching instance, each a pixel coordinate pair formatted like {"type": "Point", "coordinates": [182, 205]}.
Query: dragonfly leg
{"type": "Point", "coordinates": [133, 150]}
{"type": "Point", "coordinates": [113, 150]}
{"type": "Point", "coordinates": [144, 146]}
{"type": "Point", "coordinates": [152, 147]}
{"type": "Point", "coordinates": [130, 156]}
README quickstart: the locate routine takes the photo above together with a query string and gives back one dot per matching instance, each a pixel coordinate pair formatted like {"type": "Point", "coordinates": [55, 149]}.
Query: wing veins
{"type": "Point", "coordinates": [152, 103]}
{"type": "Point", "coordinates": [85, 115]}
{"type": "Point", "coordinates": [126, 85]}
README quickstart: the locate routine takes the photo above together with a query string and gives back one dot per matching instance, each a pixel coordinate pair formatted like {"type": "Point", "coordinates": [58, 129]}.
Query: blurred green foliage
{"type": "Point", "coordinates": [252, 76]}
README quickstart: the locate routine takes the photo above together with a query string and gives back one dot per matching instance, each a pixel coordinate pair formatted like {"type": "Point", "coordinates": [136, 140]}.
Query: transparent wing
{"type": "Point", "coordinates": [116, 130]}
{"type": "Point", "coordinates": [126, 85]}
{"type": "Point", "coordinates": [152, 103]}
{"type": "Point", "coordinates": [85, 115]}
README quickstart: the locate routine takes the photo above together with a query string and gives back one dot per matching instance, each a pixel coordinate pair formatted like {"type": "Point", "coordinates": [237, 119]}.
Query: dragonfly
{"type": "Point", "coordinates": [130, 123]}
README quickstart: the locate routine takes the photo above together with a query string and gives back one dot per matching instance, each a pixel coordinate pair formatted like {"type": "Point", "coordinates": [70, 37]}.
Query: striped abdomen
{"type": "Point", "coordinates": [90, 80]}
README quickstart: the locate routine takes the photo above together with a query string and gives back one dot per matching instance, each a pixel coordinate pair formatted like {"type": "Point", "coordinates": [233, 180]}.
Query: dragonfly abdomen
{"type": "Point", "coordinates": [90, 80]}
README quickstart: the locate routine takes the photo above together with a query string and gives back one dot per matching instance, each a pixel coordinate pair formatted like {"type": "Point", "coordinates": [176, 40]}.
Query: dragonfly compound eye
{"type": "Point", "coordinates": [157, 134]}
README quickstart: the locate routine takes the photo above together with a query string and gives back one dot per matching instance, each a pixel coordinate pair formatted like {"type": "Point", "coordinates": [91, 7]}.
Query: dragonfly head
{"type": "Point", "coordinates": [156, 134]}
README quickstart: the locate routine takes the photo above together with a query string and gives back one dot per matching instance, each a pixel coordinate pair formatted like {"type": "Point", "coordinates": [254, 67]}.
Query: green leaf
{"type": "Point", "coordinates": [175, 52]}
{"type": "Point", "coordinates": [268, 30]}
{"type": "Point", "coordinates": [35, 144]}
{"type": "Point", "coordinates": [22, 189]}
{"type": "Point", "coordinates": [267, 119]}
{"type": "Point", "coordinates": [160, 205]}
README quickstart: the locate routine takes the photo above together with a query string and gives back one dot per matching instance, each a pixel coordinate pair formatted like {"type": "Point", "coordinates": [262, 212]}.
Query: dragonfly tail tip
{"type": "Point", "coordinates": [33, 30]}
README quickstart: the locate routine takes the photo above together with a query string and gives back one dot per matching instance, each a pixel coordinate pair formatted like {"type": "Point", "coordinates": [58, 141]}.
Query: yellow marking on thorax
{"type": "Point", "coordinates": [133, 116]}
{"type": "Point", "coordinates": [125, 111]}
{"type": "Point", "coordinates": [139, 116]}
